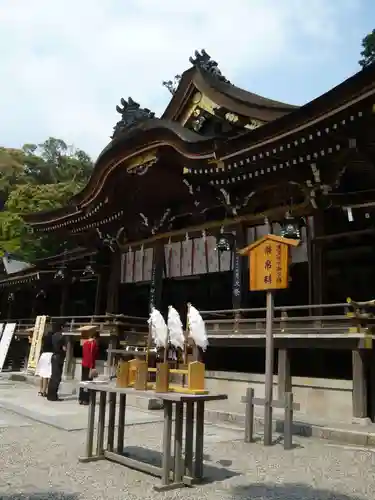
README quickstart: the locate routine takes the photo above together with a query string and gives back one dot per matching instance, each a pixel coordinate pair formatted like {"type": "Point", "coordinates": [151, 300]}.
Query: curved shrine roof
{"type": "Point", "coordinates": [166, 132]}
{"type": "Point", "coordinates": [226, 95]}
{"type": "Point", "coordinates": [148, 135]}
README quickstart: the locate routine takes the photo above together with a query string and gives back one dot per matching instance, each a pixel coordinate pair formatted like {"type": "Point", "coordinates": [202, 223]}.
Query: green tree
{"type": "Point", "coordinates": [368, 52]}
{"type": "Point", "coordinates": [11, 172]}
{"type": "Point", "coordinates": [37, 178]}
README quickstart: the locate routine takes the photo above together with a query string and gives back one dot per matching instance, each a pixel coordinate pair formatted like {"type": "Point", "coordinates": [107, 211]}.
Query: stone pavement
{"type": "Point", "coordinates": [8, 419]}
{"type": "Point", "coordinates": [40, 462]}
{"type": "Point", "coordinates": [20, 397]}
{"type": "Point", "coordinates": [68, 415]}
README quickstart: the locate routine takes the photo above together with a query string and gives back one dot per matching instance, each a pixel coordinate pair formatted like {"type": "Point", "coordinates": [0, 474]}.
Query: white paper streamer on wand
{"type": "Point", "coordinates": [176, 330]}
{"type": "Point", "coordinates": [159, 329]}
{"type": "Point", "coordinates": [197, 328]}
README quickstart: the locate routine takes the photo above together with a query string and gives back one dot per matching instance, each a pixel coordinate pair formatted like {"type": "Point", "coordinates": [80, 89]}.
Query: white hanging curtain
{"type": "Point", "coordinates": [176, 330]}
{"type": "Point", "coordinates": [159, 329]}
{"type": "Point", "coordinates": [197, 328]}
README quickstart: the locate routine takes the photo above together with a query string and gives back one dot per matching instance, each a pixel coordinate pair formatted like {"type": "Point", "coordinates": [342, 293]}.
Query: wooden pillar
{"type": "Point", "coordinates": [98, 295]}
{"type": "Point", "coordinates": [239, 270]}
{"type": "Point", "coordinates": [284, 378]}
{"type": "Point", "coordinates": [64, 297]}
{"type": "Point", "coordinates": [371, 383]}
{"type": "Point", "coordinates": [310, 244]}
{"type": "Point", "coordinates": [156, 284]}
{"type": "Point", "coordinates": [112, 305]}
{"type": "Point", "coordinates": [114, 280]}
{"type": "Point", "coordinates": [359, 384]}
{"type": "Point", "coordinates": [69, 365]}
{"type": "Point", "coordinates": [317, 262]}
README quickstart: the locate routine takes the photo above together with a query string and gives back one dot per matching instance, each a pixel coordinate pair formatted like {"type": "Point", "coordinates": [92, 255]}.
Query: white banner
{"type": "Point", "coordinates": [199, 256]}
{"type": "Point", "coordinates": [1, 329]}
{"type": "Point", "coordinates": [213, 255]}
{"type": "Point", "coordinates": [175, 259]}
{"type": "Point", "coordinates": [298, 254]}
{"type": "Point", "coordinates": [147, 264]}
{"type": "Point", "coordinates": [129, 272]}
{"type": "Point", "coordinates": [5, 342]}
{"type": "Point", "coordinates": [261, 231]}
{"type": "Point", "coordinates": [251, 237]}
{"type": "Point", "coordinates": [138, 266]}
{"type": "Point", "coordinates": [187, 254]}
{"type": "Point", "coordinates": [225, 261]}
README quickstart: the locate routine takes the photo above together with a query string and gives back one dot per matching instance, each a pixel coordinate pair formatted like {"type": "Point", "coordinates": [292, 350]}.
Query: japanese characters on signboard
{"type": "Point", "coordinates": [269, 266]}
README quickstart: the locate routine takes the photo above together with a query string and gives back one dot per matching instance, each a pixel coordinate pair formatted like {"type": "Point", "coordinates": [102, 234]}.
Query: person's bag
{"type": "Point", "coordinates": [93, 373]}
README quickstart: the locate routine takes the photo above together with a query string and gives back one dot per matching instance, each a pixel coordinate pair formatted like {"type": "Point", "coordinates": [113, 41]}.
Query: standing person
{"type": "Point", "coordinates": [57, 361]}
{"type": "Point", "coordinates": [90, 351]}
{"type": "Point", "coordinates": [44, 367]}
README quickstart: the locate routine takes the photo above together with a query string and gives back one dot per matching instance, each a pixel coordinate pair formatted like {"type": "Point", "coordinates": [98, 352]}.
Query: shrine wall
{"type": "Point", "coordinates": [318, 397]}
{"type": "Point", "coordinates": [321, 398]}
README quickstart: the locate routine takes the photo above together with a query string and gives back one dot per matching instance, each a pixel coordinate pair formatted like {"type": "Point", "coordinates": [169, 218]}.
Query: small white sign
{"type": "Point", "coordinates": [5, 342]}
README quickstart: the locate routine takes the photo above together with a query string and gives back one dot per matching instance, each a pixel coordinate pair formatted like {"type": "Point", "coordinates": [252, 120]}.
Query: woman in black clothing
{"type": "Point", "coordinates": [57, 361]}
{"type": "Point", "coordinates": [44, 368]}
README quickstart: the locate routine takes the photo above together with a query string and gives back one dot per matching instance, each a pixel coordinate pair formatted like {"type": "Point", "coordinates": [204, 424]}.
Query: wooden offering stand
{"type": "Point", "coordinates": [135, 373]}
{"type": "Point", "coordinates": [362, 319]}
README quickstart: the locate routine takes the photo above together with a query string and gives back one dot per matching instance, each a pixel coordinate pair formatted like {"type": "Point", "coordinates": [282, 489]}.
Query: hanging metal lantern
{"type": "Point", "coordinates": [290, 228]}
{"type": "Point", "coordinates": [41, 294]}
{"type": "Point", "coordinates": [60, 274]}
{"type": "Point", "coordinates": [89, 270]}
{"type": "Point", "coordinates": [224, 242]}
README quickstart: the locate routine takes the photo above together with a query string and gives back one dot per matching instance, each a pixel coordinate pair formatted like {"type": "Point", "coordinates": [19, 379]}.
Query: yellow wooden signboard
{"type": "Point", "coordinates": [269, 262]}
{"type": "Point", "coordinates": [36, 342]}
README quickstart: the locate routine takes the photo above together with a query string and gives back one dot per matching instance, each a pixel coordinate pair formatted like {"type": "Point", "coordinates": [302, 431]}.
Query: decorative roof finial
{"type": "Point", "coordinates": [203, 61]}
{"type": "Point", "coordinates": [131, 115]}
{"type": "Point", "coordinates": [172, 85]}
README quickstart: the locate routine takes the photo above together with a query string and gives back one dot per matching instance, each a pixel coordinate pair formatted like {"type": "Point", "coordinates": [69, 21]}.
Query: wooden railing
{"type": "Point", "coordinates": [302, 320]}
{"type": "Point", "coordinates": [295, 321]}
{"type": "Point", "coordinates": [106, 324]}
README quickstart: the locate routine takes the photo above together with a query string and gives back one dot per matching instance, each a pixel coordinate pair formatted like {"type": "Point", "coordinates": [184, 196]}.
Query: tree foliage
{"type": "Point", "coordinates": [35, 178]}
{"type": "Point", "coordinates": [368, 52]}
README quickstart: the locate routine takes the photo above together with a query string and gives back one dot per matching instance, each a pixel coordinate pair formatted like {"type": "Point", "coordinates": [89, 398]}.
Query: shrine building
{"type": "Point", "coordinates": [173, 198]}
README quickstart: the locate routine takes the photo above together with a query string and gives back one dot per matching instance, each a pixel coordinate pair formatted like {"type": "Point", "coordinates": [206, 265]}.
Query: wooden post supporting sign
{"type": "Point", "coordinates": [269, 271]}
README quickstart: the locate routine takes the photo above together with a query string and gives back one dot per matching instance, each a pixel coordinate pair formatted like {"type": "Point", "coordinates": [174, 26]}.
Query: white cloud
{"type": "Point", "coordinates": [65, 63]}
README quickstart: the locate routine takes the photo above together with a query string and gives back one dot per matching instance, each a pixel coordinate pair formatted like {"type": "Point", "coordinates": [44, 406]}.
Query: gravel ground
{"type": "Point", "coordinates": [40, 462]}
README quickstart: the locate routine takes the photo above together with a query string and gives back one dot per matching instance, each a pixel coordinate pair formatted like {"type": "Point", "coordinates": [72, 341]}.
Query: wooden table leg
{"type": "Point", "coordinates": [111, 421]}
{"type": "Point", "coordinates": [189, 436]}
{"type": "Point", "coordinates": [90, 428]}
{"type": "Point", "coordinates": [101, 424]}
{"type": "Point", "coordinates": [167, 435]}
{"type": "Point", "coordinates": [178, 464]}
{"type": "Point", "coordinates": [121, 424]}
{"type": "Point", "coordinates": [199, 441]}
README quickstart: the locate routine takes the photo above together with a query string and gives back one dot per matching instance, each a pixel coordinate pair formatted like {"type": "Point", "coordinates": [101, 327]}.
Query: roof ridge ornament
{"type": "Point", "coordinates": [131, 115]}
{"type": "Point", "coordinates": [172, 85]}
{"type": "Point", "coordinates": [203, 61]}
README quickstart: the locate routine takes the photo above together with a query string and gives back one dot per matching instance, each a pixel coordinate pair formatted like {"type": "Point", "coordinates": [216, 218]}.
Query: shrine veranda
{"type": "Point", "coordinates": [171, 201]}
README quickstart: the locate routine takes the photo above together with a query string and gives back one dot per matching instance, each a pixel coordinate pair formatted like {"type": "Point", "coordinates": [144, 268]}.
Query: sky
{"type": "Point", "coordinates": [65, 64]}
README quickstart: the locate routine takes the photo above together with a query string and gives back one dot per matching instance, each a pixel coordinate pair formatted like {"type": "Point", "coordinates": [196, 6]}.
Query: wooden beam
{"type": "Point", "coordinates": [298, 210]}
